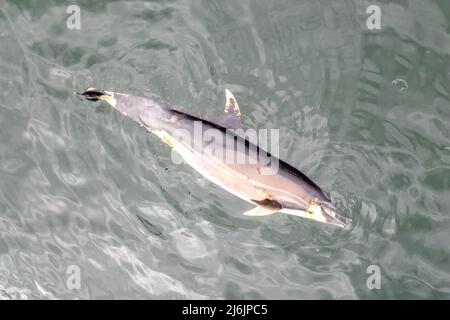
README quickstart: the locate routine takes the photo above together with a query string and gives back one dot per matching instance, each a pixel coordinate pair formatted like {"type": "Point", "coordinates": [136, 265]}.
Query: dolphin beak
{"type": "Point", "coordinates": [91, 94]}
{"type": "Point", "coordinates": [335, 217]}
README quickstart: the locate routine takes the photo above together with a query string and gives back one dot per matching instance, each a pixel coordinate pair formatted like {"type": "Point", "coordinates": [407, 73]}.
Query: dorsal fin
{"type": "Point", "coordinates": [231, 105]}
{"type": "Point", "coordinates": [231, 118]}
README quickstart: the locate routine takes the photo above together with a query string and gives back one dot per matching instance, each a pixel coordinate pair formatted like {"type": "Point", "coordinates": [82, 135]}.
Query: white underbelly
{"type": "Point", "coordinates": [197, 161]}
{"type": "Point", "coordinates": [213, 169]}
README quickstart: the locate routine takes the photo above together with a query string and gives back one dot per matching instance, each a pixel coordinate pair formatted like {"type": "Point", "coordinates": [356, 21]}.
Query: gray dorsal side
{"type": "Point", "coordinates": [230, 119]}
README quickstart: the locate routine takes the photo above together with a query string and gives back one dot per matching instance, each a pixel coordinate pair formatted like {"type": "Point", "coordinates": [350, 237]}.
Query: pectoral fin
{"type": "Point", "coordinates": [258, 212]}
{"type": "Point", "coordinates": [264, 208]}
{"type": "Point", "coordinates": [268, 204]}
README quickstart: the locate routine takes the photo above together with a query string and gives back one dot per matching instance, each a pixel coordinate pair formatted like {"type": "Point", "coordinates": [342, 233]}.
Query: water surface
{"type": "Point", "coordinates": [365, 114]}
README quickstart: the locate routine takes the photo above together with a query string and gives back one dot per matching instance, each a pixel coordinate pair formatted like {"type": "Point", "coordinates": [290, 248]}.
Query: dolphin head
{"type": "Point", "coordinates": [320, 210]}
{"type": "Point", "coordinates": [331, 215]}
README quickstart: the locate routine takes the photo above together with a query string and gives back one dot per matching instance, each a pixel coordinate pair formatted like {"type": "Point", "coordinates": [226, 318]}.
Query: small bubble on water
{"type": "Point", "coordinates": [401, 84]}
{"type": "Point", "coordinates": [413, 192]}
{"type": "Point", "coordinates": [59, 73]}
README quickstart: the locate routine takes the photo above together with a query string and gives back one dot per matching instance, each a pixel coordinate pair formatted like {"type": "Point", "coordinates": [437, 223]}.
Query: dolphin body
{"type": "Point", "coordinates": [212, 146]}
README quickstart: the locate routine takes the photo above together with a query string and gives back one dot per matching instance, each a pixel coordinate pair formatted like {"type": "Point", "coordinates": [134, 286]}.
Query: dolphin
{"type": "Point", "coordinates": [227, 157]}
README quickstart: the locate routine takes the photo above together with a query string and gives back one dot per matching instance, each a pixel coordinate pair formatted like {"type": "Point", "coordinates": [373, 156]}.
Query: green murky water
{"type": "Point", "coordinates": [364, 113]}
